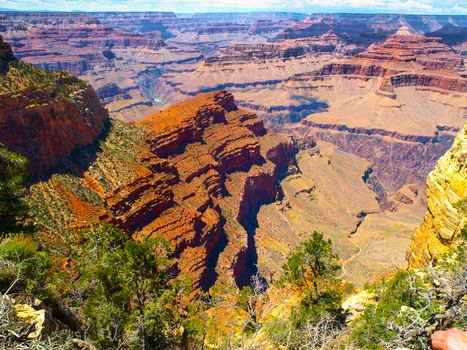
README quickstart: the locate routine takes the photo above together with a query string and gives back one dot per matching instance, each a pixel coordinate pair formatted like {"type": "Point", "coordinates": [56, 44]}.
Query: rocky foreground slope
{"type": "Point", "coordinates": [446, 198]}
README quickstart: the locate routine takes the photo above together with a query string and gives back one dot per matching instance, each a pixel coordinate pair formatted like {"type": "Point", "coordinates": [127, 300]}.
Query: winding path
{"type": "Point", "coordinates": [352, 257]}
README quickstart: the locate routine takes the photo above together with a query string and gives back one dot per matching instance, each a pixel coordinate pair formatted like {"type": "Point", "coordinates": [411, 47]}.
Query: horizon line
{"type": "Point", "coordinates": [236, 12]}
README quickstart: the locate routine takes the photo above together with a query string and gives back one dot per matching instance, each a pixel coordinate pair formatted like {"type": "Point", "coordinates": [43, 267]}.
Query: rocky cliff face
{"type": "Point", "coordinates": [285, 49]}
{"type": "Point", "coordinates": [404, 46]}
{"type": "Point", "coordinates": [111, 92]}
{"type": "Point", "coordinates": [365, 28]}
{"type": "Point", "coordinates": [46, 115]}
{"type": "Point", "coordinates": [6, 54]}
{"type": "Point", "coordinates": [446, 216]}
{"type": "Point", "coordinates": [194, 174]}
{"type": "Point", "coordinates": [397, 159]}
{"type": "Point", "coordinates": [75, 42]}
{"type": "Point", "coordinates": [199, 145]}
{"type": "Point", "coordinates": [395, 72]}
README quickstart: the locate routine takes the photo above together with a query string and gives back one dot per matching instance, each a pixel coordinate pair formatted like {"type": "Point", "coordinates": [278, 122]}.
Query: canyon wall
{"type": "Point", "coordinates": [397, 159]}
{"type": "Point", "coordinates": [6, 54]}
{"type": "Point", "coordinates": [446, 197]}
{"type": "Point", "coordinates": [46, 115]}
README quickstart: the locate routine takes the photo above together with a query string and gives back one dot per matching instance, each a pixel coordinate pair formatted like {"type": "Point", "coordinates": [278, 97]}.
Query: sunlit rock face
{"type": "Point", "coordinates": [446, 216]}
{"type": "Point", "coordinates": [47, 119]}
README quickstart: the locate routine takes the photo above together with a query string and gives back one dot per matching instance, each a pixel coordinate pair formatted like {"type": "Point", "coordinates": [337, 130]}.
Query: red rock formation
{"type": "Point", "coordinates": [204, 167]}
{"type": "Point", "coordinates": [196, 145]}
{"type": "Point", "coordinates": [404, 46]}
{"type": "Point", "coordinates": [44, 125]}
{"type": "Point", "coordinates": [46, 128]}
{"type": "Point", "coordinates": [404, 59]}
{"type": "Point", "coordinates": [437, 81]}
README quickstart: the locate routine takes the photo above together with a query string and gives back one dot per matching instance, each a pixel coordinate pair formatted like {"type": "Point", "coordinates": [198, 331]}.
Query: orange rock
{"type": "Point", "coordinates": [197, 145]}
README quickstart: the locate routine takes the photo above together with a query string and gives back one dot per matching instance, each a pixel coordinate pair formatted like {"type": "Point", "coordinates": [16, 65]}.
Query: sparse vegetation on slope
{"type": "Point", "coordinates": [20, 75]}
{"type": "Point", "coordinates": [111, 162]}
{"type": "Point", "coordinates": [413, 304]}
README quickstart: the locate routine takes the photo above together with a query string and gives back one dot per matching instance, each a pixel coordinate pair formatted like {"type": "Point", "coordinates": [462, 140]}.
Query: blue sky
{"type": "Point", "coordinates": [458, 7]}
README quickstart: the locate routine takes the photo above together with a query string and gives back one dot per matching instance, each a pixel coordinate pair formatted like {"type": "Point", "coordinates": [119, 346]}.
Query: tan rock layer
{"type": "Point", "coordinates": [444, 220]}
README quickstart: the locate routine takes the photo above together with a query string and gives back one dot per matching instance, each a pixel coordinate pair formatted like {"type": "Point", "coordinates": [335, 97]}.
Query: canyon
{"type": "Point", "coordinates": [235, 137]}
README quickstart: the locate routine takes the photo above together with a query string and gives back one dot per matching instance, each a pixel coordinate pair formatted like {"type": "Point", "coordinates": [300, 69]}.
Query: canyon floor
{"type": "Point", "coordinates": [358, 109]}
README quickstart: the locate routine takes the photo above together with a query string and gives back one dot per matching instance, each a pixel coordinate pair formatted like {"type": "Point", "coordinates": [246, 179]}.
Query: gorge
{"type": "Point", "coordinates": [234, 137]}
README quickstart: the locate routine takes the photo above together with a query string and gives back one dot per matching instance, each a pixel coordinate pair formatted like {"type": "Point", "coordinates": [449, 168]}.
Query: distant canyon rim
{"type": "Point", "coordinates": [354, 112]}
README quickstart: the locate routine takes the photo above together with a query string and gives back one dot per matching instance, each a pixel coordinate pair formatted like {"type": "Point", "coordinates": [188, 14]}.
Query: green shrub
{"type": "Point", "coordinates": [21, 75]}
{"type": "Point", "coordinates": [312, 269]}
{"type": "Point", "coordinates": [130, 300]}
{"type": "Point", "coordinates": [13, 174]}
{"type": "Point", "coordinates": [21, 258]}
{"type": "Point", "coordinates": [412, 304]}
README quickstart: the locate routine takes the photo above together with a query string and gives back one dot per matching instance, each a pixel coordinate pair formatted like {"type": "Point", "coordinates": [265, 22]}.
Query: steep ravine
{"type": "Point", "coordinates": [193, 174]}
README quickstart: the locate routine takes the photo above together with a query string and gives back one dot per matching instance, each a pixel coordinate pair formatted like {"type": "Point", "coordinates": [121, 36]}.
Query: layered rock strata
{"type": "Point", "coordinates": [404, 46]}
{"type": "Point", "coordinates": [193, 174]}
{"type": "Point", "coordinates": [446, 198]}
{"type": "Point", "coordinates": [46, 115]}
{"type": "Point", "coordinates": [397, 159]}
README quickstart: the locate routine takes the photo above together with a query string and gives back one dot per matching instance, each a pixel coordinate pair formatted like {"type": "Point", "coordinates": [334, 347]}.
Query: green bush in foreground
{"type": "Point", "coordinates": [13, 174]}
{"type": "Point", "coordinates": [318, 320]}
{"type": "Point", "coordinates": [312, 269]}
{"type": "Point", "coordinates": [131, 301]}
{"type": "Point", "coordinates": [413, 304]}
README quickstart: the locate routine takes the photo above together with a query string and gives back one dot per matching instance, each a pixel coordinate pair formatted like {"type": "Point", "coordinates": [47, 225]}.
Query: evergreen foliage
{"type": "Point", "coordinates": [13, 174]}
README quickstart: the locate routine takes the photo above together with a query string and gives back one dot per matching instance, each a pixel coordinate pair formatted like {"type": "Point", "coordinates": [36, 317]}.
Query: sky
{"type": "Point", "coordinates": [457, 7]}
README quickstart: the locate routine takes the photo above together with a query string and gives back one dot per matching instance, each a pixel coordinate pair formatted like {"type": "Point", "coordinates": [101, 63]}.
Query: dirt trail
{"type": "Point", "coordinates": [352, 257]}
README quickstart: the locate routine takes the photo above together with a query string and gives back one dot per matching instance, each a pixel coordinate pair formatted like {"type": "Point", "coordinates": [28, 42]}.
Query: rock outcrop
{"type": "Point", "coordinates": [285, 49]}
{"type": "Point", "coordinates": [404, 46]}
{"type": "Point", "coordinates": [203, 143]}
{"type": "Point", "coordinates": [265, 27]}
{"type": "Point", "coordinates": [198, 171]}
{"type": "Point", "coordinates": [6, 54]}
{"type": "Point", "coordinates": [46, 115]}
{"type": "Point", "coordinates": [111, 92]}
{"type": "Point", "coordinates": [446, 200]}
{"type": "Point", "coordinates": [223, 28]}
